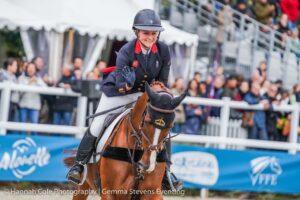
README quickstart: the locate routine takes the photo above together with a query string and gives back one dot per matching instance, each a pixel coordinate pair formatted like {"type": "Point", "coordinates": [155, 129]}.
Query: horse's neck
{"type": "Point", "coordinates": [138, 110]}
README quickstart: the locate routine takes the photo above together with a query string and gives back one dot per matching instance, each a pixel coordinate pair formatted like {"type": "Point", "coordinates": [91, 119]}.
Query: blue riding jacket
{"type": "Point", "coordinates": [153, 66]}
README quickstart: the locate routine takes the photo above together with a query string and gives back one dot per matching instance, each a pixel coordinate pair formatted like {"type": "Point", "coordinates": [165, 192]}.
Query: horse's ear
{"type": "Point", "coordinates": [177, 100]}
{"type": "Point", "coordinates": [149, 91]}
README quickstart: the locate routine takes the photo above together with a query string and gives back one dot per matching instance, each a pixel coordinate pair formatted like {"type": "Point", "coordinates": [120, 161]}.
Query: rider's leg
{"type": "Point", "coordinates": [83, 156]}
{"type": "Point", "coordinates": [87, 143]}
{"type": "Point", "coordinates": [170, 181]}
{"type": "Point", "coordinates": [86, 146]}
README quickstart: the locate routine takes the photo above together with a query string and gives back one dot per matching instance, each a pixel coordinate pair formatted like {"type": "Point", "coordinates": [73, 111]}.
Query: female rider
{"type": "Point", "coordinates": [141, 60]}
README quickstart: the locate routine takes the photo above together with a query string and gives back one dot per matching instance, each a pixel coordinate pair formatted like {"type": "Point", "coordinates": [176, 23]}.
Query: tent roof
{"type": "Point", "coordinates": [111, 18]}
{"type": "Point", "coordinates": [13, 16]}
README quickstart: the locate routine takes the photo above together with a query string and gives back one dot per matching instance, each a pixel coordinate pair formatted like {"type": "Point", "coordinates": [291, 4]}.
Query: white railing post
{"type": "Point", "coordinates": [225, 111]}
{"type": "Point", "coordinates": [294, 129]}
{"type": "Point", "coordinates": [4, 107]}
{"type": "Point", "coordinates": [81, 113]}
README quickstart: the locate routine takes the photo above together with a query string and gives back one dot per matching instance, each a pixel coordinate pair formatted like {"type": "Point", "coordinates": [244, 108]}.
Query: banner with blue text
{"type": "Point", "coordinates": [34, 158]}
{"type": "Point", "coordinates": [247, 170]}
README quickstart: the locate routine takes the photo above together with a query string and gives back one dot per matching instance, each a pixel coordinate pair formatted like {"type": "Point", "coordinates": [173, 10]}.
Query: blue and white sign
{"type": "Point", "coordinates": [248, 170]}
{"type": "Point", "coordinates": [34, 158]}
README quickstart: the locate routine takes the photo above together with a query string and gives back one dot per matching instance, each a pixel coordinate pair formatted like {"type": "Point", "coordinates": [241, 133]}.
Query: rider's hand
{"type": "Point", "coordinates": [124, 89]}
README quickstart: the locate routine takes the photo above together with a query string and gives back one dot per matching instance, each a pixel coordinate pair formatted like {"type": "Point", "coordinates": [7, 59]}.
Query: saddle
{"type": "Point", "coordinates": [110, 122]}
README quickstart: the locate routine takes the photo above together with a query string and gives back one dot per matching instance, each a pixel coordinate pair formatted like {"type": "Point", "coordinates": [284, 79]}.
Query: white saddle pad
{"type": "Point", "coordinates": [107, 133]}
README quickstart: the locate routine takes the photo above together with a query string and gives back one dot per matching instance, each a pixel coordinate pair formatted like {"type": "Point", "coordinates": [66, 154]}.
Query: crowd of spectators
{"type": "Point", "coordinates": [265, 124]}
{"type": "Point", "coordinates": [281, 15]}
{"type": "Point", "coordinates": [191, 119]}
{"type": "Point", "coordinates": [36, 108]}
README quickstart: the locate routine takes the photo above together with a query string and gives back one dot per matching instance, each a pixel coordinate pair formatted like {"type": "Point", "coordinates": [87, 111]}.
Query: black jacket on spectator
{"type": "Point", "coordinates": [64, 103]}
{"type": "Point", "coordinates": [271, 120]}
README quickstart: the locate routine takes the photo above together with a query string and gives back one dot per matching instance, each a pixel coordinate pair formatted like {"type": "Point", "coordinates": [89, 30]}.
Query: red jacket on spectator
{"type": "Point", "coordinates": [291, 9]}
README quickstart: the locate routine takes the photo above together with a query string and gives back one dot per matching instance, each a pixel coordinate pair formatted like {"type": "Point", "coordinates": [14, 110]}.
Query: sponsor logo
{"type": "Point", "coordinates": [196, 167]}
{"type": "Point", "coordinates": [25, 157]}
{"type": "Point", "coordinates": [265, 171]}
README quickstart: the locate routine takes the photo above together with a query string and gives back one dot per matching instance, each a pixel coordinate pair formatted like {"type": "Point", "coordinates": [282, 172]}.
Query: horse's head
{"type": "Point", "coordinates": [156, 122]}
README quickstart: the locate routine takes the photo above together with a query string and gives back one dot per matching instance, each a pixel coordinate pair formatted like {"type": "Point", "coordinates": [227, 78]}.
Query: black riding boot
{"type": "Point", "coordinates": [84, 153]}
{"type": "Point", "coordinates": [170, 181]}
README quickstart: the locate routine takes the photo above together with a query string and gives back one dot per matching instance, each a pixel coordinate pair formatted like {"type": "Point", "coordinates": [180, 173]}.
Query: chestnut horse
{"type": "Point", "coordinates": [133, 165]}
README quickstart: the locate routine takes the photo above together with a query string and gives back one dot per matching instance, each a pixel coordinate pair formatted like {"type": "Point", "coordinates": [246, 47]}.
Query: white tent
{"type": "Point", "coordinates": [102, 18]}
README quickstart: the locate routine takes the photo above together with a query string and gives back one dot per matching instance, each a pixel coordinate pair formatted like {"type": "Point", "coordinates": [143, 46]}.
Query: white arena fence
{"type": "Point", "coordinates": [220, 132]}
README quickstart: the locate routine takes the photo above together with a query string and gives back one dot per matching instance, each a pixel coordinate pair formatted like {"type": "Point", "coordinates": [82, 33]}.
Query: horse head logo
{"type": "Point", "coordinates": [265, 170]}
{"type": "Point", "coordinates": [262, 163]}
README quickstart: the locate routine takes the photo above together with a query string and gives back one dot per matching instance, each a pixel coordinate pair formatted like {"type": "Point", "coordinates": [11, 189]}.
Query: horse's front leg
{"type": "Point", "coordinates": [117, 179]}
{"type": "Point", "coordinates": [150, 187]}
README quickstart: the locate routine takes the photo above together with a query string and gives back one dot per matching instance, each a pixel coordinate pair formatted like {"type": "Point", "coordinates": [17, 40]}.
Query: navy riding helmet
{"type": "Point", "coordinates": [147, 20]}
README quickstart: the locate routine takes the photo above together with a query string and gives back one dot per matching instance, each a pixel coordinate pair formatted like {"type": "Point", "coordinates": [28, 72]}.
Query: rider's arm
{"type": "Point", "coordinates": [166, 63]}
{"type": "Point", "coordinates": [122, 61]}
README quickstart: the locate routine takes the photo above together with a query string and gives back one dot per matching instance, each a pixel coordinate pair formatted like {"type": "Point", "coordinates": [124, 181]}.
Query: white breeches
{"type": "Point", "coordinates": [107, 103]}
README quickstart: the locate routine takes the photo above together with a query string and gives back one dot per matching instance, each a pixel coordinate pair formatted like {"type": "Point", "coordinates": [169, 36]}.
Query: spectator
{"type": "Point", "coordinates": [197, 77]}
{"type": "Point", "coordinates": [77, 74]}
{"type": "Point", "coordinates": [283, 28]}
{"type": "Point", "coordinates": [76, 80]}
{"type": "Point", "coordinates": [96, 73]}
{"type": "Point", "coordinates": [101, 64]}
{"type": "Point", "coordinates": [263, 11]}
{"type": "Point", "coordinates": [209, 84]}
{"type": "Point", "coordinates": [260, 74]}
{"type": "Point", "coordinates": [258, 130]}
{"type": "Point", "coordinates": [22, 68]}
{"type": "Point", "coordinates": [265, 86]}
{"type": "Point", "coordinates": [30, 102]}
{"type": "Point", "coordinates": [225, 28]}
{"type": "Point", "coordinates": [230, 89]}
{"type": "Point", "coordinates": [40, 66]}
{"type": "Point", "coordinates": [177, 89]}
{"type": "Point", "coordinates": [295, 97]}
{"type": "Point", "coordinates": [193, 113]}
{"type": "Point", "coordinates": [291, 9]}
{"type": "Point", "coordinates": [77, 63]}
{"type": "Point", "coordinates": [220, 72]}
{"type": "Point", "coordinates": [9, 74]}
{"type": "Point", "coordinates": [242, 91]}
{"type": "Point", "coordinates": [63, 106]}
{"type": "Point", "coordinates": [295, 42]}
{"type": "Point", "coordinates": [203, 92]}
{"type": "Point", "coordinates": [271, 116]}
{"type": "Point", "coordinates": [217, 94]}
{"type": "Point", "coordinates": [92, 76]}
{"type": "Point", "coordinates": [242, 7]}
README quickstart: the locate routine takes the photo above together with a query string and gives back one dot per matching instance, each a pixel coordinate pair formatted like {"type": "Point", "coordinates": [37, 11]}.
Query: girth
{"type": "Point", "coordinates": [121, 154]}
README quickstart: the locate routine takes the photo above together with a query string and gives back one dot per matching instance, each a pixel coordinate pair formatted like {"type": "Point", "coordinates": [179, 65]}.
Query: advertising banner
{"type": "Point", "coordinates": [34, 158]}
{"type": "Point", "coordinates": [247, 170]}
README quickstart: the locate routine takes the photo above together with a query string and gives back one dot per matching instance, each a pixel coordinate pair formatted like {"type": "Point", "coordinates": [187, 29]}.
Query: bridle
{"type": "Point", "coordinates": [138, 135]}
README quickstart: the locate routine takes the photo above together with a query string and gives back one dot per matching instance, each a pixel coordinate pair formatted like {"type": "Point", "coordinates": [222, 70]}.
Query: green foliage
{"type": "Point", "coordinates": [11, 44]}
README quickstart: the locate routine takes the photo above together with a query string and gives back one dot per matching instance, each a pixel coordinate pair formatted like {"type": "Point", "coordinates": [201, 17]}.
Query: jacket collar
{"type": "Point", "coordinates": [138, 48]}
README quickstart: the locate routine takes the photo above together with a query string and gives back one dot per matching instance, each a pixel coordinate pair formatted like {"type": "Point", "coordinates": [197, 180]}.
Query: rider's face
{"type": "Point", "coordinates": [147, 38]}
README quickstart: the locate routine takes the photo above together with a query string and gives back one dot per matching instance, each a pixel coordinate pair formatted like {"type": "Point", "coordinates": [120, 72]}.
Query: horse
{"type": "Point", "coordinates": [133, 162]}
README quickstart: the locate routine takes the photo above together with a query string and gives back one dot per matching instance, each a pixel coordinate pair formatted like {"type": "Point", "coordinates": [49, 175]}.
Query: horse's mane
{"type": "Point", "coordinates": [159, 86]}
